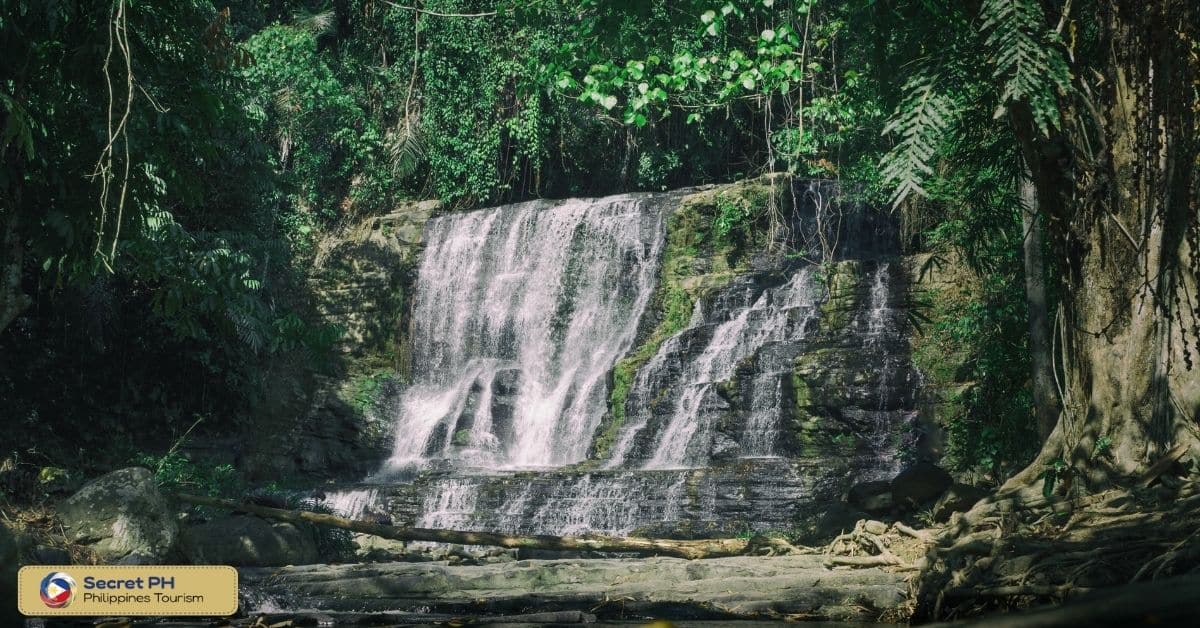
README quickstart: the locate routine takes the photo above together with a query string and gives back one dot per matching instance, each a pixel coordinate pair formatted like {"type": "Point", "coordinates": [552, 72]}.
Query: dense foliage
{"type": "Point", "coordinates": [168, 168]}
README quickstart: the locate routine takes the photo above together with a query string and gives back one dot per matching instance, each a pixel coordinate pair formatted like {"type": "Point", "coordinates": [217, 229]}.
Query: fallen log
{"type": "Point", "coordinates": [708, 548]}
{"type": "Point", "coordinates": [881, 560]}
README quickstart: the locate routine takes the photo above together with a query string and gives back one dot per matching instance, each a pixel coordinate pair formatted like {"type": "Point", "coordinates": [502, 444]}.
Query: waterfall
{"type": "Point", "coordinates": [607, 503]}
{"type": "Point", "coordinates": [760, 410]}
{"type": "Point", "coordinates": [353, 503]}
{"type": "Point", "coordinates": [771, 315]}
{"type": "Point", "coordinates": [519, 314]}
{"type": "Point", "coordinates": [881, 327]}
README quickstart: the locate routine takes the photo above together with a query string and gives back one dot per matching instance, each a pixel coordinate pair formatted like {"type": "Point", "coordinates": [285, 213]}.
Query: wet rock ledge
{"type": "Point", "coordinates": [744, 587]}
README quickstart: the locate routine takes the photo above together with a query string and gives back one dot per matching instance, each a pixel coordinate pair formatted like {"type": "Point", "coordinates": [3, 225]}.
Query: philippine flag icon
{"type": "Point", "coordinates": [58, 589]}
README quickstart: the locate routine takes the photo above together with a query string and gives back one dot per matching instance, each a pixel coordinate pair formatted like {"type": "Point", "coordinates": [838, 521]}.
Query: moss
{"type": "Point", "coordinates": [843, 281]}
{"type": "Point", "coordinates": [365, 388]}
{"type": "Point", "coordinates": [461, 438]}
{"type": "Point", "coordinates": [696, 262]}
{"type": "Point", "coordinates": [802, 393]}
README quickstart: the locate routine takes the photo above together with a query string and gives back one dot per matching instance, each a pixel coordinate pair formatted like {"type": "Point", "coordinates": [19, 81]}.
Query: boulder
{"type": "Point", "coordinates": [123, 518]}
{"type": "Point", "coordinates": [958, 498]}
{"type": "Point", "coordinates": [873, 497]}
{"type": "Point", "coordinates": [919, 484]}
{"type": "Point", "coordinates": [373, 549]}
{"type": "Point", "coordinates": [244, 541]}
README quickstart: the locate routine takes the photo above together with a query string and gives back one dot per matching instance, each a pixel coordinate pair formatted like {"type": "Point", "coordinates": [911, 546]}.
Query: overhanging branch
{"type": "Point", "coordinates": [437, 14]}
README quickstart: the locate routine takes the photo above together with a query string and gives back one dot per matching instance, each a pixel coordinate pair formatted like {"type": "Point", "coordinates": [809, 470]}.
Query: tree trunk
{"type": "Point", "coordinates": [711, 548]}
{"type": "Point", "coordinates": [1045, 398]}
{"type": "Point", "coordinates": [13, 300]}
{"type": "Point", "coordinates": [1124, 222]}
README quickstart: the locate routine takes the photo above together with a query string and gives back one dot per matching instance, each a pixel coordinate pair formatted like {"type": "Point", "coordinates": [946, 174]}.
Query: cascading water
{"type": "Point", "coordinates": [520, 313]}
{"type": "Point", "coordinates": [775, 314]}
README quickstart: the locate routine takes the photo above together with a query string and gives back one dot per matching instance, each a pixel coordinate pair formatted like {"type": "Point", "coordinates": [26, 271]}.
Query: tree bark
{"type": "Point", "coordinates": [710, 548]}
{"type": "Point", "coordinates": [13, 299]}
{"type": "Point", "coordinates": [1045, 398]}
{"type": "Point", "coordinates": [1122, 218]}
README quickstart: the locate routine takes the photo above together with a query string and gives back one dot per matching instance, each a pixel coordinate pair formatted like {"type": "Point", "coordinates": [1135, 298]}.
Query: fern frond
{"type": "Point", "coordinates": [922, 121]}
{"type": "Point", "coordinates": [1027, 58]}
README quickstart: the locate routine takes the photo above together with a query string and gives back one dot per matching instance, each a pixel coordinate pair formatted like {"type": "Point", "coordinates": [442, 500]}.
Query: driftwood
{"type": "Point", "coordinates": [708, 548]}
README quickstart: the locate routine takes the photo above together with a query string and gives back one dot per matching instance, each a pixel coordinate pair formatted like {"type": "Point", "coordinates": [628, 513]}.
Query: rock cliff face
{"type": "Point", "coordinates": [768, 371]}
{"type": "Point", "coordinates": [329, 425]}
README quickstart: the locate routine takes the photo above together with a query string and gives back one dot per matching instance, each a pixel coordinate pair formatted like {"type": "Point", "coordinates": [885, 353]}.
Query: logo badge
{"type": "Point", "coordinates": [58, 589]}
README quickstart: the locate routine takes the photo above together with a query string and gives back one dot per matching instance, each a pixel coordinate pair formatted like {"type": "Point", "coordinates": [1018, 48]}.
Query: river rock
{"type": "Point", "coordinates": [374, 549]}
{"type": "Point", "coordinates": [123, 517]}
{"type": "Point", "coordinates": [958, 498]}
{"type": "Point", "coordinates": [244, 541]}
{"type": "Point", "coordinates": [919, 484]}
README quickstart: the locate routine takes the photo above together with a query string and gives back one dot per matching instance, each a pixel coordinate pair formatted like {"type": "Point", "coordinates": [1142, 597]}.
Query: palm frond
{"type": "Point", "coordinates": [406, 146]}
{"type": "Point", "coordinates": [922, 122]}
{"type": "Point", "coordinates": [1027, 57]}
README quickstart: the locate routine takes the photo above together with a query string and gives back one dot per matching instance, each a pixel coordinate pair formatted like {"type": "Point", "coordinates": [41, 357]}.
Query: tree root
{"type": "Point", "coordinates": [1014, 551]}
{"type": "Point", "coordinates": [868, 545]}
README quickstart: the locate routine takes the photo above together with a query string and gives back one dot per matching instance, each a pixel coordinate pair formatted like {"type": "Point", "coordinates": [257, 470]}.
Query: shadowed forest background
{"type": "Point", "coordinates": [175, 177]}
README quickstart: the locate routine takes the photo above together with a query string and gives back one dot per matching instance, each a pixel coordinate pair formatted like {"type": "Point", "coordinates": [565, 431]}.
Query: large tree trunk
{"type": "Point", "coordinates": [1045, 398]}
{"type": "Point", "coordinates": [1123, 220]}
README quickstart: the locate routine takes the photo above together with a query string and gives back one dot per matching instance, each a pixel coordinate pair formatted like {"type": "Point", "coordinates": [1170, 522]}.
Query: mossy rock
{"type": "Point", "coordinates": [843, 283]}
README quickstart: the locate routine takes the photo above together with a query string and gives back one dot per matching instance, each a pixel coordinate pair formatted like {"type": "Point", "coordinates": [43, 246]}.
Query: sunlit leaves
{"type": "Point", "coordinates": [1027, 58]}
{"type": "Point", "coordinates": [921, 123]}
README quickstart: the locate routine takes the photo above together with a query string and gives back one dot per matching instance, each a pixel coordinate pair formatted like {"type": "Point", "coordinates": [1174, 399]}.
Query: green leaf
{"type": "Point", "coordinates": [608, 102]}
{"type": "Point", "coordinates": [708, 16]}
{"type": "Point", "coordinates": [768, 35]}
